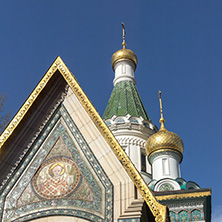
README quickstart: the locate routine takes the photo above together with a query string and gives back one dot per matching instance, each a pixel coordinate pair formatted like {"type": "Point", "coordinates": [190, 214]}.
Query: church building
{"type": "Point", "coordinates": [60, 161]}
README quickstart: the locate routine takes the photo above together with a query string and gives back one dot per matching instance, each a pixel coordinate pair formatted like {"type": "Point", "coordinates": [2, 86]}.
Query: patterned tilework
{"type": "Point", "coordinates": [124, 100]}
{"type": "Point", "coordinates": [183, 216]}
{"type": "Point", "coordinates": [55, 144]}
{"type": "Point", "coordinates": [196, 215]}
{"type": "Point", "coordinates": [186, 215]}
{"type": "Point", "coordinates": [173, 217]}
{"type": "Point", "coordinates": [61, 212]}
{"type": "Point", "coordinates": [166, 187]}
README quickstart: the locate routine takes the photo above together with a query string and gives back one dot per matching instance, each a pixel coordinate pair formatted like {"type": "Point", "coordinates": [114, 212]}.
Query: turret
{"type": "Point", "coordinates": [125, 114]}
{"type": "Point", "coordinates": [165, 152]}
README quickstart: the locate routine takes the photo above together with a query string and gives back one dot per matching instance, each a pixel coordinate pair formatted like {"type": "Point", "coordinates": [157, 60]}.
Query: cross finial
{"type": "Point", "coordinates": [162, 120]}
{"type": "Point", "coordinates": [124, 33]}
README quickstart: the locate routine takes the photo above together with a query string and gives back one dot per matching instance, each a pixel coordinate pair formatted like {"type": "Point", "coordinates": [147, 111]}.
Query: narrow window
{"type": "Point", "coordinates": [143, 162]}
{"type": "Point", "coordinates": [166, 170]}
{"type": "Point", "coordinates": [123, 68]}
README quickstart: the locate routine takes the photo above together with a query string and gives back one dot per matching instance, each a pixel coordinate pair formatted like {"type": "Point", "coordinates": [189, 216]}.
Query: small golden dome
{"type": "Point", "coordinates": [164, 140]}
{"type": "Point", "coordinates": [124, 54]}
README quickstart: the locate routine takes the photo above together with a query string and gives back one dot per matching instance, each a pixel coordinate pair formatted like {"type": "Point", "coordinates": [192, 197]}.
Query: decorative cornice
{"type": "Point", "coordinates": [123, 141]}
{"type": "Point", "coordinates": [185, 204]}
{"type": "Point", "coordinates": [183, 195]}
{"type": "Point", "coordinates": [158, 210]}
{"type": "Point", "coordinates": [128, 125]}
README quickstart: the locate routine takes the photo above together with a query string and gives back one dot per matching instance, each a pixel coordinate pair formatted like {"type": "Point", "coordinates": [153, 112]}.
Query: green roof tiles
{"type": "Point", "coordinates": [124, 100]}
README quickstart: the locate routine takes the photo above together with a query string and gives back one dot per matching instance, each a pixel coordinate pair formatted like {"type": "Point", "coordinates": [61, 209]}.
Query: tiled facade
{"type": "Point", "coordinates": [184, 215]}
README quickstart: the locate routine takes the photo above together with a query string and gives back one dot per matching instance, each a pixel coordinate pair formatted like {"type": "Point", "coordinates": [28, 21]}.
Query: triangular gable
{"type": "Point", "coordinates": [159, 211]}
{"type": "Point", "coordinates": [61, 171]}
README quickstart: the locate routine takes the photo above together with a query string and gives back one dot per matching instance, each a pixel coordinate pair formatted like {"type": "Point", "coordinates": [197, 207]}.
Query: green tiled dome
{"type": "Point", "coordinates": [125, 100]}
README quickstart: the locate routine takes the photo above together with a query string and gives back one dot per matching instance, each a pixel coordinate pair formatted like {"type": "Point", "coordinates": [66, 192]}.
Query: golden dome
{"type": "Point", "coordinates": [124, 54]}
{"type": "Point", "coordinates": [164, 140]}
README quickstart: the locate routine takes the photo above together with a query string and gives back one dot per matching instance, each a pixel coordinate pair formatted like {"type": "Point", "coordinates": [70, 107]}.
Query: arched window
{"type": "Point", "coordinates": [147, 125]}
{"type": "Point", "coordinates": [108, 123]}
{"type": "Point", "coordinates": [120, 121]}
{"type": "Point", "coordinates": [134, 120]}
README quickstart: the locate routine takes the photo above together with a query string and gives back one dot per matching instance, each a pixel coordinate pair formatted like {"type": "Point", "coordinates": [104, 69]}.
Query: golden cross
{"type": "Point", "coordinates": [162, 120]}
{"type": "Point", "coordinates": [124, 33]}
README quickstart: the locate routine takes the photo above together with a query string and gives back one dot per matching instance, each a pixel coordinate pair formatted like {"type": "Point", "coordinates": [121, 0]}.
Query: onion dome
{"type": "Point", "coordinates": [163, 140]}
{"type": "Point", "coordinates": [124, 54]}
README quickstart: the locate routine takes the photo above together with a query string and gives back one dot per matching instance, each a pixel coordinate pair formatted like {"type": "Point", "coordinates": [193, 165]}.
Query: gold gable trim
{"type": "Point", "coordinates": [159, 211]}
{"type": "Point", "coordinates": [183, 195]}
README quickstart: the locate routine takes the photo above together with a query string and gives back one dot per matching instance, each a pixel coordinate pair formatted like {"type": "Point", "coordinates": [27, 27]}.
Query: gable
{"type": "Point", "coordinates": [57, 87]}
{"type": "Point", "coordinates": [82, 186]}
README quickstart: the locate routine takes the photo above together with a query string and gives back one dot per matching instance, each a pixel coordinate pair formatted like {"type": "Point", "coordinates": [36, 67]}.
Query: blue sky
{"type": "Point", "coordinates": [179, 50]}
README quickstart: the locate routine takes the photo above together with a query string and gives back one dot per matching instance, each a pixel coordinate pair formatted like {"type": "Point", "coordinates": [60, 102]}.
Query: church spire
{"type": "Point", "coordinates": [125, 98]}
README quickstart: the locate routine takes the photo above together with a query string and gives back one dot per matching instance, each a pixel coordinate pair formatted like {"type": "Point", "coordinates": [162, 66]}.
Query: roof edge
{"type": "Point", "coordinates": [158, 210]}
{"type": "Point", "coordinates": [187, 194]}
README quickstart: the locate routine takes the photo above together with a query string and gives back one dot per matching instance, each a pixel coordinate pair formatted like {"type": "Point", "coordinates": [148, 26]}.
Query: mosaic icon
{"type": "Point", "coordinates": [56, 178]}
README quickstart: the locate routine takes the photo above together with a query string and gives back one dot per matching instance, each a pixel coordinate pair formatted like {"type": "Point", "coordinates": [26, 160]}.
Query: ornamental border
{"type": "Point", "coordinates": [182, 196]}
{"type": "Point", "coordinates": [60, 212]}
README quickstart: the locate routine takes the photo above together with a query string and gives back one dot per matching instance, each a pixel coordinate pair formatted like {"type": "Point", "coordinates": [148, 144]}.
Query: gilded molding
{"type": "Point", "coordinates": [28, 103]}
{"type": "Point", "coordinates": [184, 195]}
{"type": "Point", "coordinates": [36, 135]}
{"type": "Point", "coordinates": [158, 210]}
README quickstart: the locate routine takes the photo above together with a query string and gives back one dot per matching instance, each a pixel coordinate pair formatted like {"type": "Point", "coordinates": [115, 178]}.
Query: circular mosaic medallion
{"type": "Point", "coordinates": [56, 178]}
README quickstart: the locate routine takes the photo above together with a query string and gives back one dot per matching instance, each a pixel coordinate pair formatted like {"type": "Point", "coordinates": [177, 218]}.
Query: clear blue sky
{"type": "Point", "coordinates": [179, 50]}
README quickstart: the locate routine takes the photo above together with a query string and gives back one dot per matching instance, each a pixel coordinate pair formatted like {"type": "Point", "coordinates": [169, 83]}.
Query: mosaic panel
{"type": "Point", "coordinates": [172, 216]}
{"type": "Point", "coordinates": [166, 187]}
{"type": "Point", "coordinates": [56, 178]}
{"type": "Point", "coordinates": [62, 178]}
{"type": "Point", "coordinates": [196, 215]}
{"type": "Point", "coordinates": [183, 216]}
